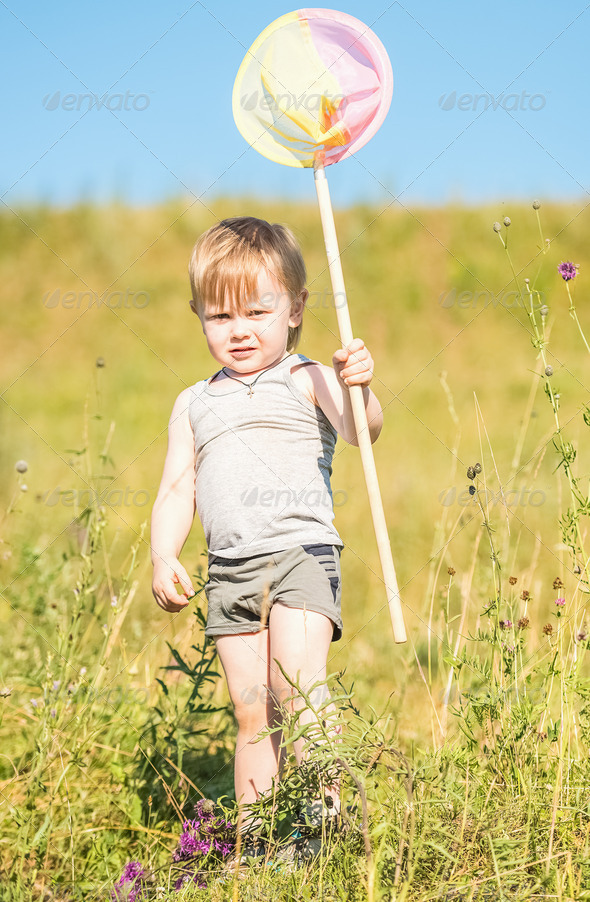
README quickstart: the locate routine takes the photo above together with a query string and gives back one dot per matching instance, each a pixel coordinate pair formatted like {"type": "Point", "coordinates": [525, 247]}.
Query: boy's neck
{"type": "Point", "coordinates": [237, 375]}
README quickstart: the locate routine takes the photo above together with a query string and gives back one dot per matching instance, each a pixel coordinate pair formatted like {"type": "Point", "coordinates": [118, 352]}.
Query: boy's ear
{"type": "Point", "coordinates": [297, 308]}
{"type": "Point", "coordinates": [193, 306]}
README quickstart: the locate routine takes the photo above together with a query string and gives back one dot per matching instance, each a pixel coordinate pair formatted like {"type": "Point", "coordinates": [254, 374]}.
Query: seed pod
{"type": "Point", "coordinates": [472, 490]}
{"type": "Point", "coordinates": [497, 227]}
{"type": "Point", "coordinates": [207, 806]}
{"type": "Point", "coordinates": [100, 362]}
{"type": "Point", "coordinates": [544, 310]}
{"type": "Point", "coordinates": [477, 468]}
{"type": "Point", "coordinates": [470, 472]}
{"type": "Point", "coordinates": [506, 221]}
{"type": "Point", "coordinates": [21, 466]}
{"type": "Point", "coordinates": [536, 204]}
{"type": "Point", "coordinates": [549, 370]}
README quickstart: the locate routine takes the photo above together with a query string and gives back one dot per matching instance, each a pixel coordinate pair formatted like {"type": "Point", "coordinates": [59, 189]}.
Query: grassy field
{"type": "Point", "coordinates": [469, 743]}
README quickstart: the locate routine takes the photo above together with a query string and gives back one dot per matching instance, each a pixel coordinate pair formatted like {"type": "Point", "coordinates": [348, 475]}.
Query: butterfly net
{"type": "Point", "coordinates": [315, 85]}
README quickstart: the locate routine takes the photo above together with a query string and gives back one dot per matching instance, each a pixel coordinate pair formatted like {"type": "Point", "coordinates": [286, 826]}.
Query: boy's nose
{"type": "Point", "coordinates": [241, 328]}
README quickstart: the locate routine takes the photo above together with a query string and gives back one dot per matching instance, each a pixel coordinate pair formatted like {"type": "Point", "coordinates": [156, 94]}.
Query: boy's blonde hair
{"type": "Point", "coordinates": [227, 258]}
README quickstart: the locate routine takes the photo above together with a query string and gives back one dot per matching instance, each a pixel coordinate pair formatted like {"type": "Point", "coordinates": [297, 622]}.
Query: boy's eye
{"type": "Point", "coordinates": [256, 312]}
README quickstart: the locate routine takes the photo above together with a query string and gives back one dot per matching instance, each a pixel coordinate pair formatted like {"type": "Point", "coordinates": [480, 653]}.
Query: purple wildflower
{"type": "Point", "coordinates": [56, 684]}
{"type": "Point", "coordinates": [505, 624]}
{"type": "Point", "coordinates": [186, 878]}
{"type": "Point", "coordinates": [206, 838]}
{"type": "Point", "coordinates": [131, 871]}
{"type": "Point", "coordinates": [567, 270]}
{"type": "Point", "coordinates": [134, 875]}
{"type": "Point", "coordinates": [560, 602]}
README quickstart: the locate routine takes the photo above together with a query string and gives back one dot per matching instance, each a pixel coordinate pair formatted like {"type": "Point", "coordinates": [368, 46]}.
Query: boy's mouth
{"type": "Point", "coordinates": [241, 351]}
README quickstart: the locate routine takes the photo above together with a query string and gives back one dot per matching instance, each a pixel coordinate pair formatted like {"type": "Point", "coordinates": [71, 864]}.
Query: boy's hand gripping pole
{"type": "Point", "coordinates": [358, 406]}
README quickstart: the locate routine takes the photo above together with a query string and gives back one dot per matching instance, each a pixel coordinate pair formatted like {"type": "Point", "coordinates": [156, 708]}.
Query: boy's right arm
{"type": "Point", "coordinates": [174, 509]}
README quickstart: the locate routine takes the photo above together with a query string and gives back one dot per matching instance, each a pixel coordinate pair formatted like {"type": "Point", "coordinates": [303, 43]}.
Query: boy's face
{"type": "Point", "coordinates": [257, 337]}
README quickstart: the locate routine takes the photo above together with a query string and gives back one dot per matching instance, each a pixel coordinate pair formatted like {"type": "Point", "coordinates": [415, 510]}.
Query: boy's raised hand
{"type": "Point", "coordinates": [168, 574]}
{"type": "Point", "coordinates": [353, 364]}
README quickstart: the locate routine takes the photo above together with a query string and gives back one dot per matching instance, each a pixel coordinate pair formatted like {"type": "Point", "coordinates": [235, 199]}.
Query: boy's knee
{"type": "Point", "coordinates": [288, 696]}
{"type": "Point", "coordinates": [251, 708]}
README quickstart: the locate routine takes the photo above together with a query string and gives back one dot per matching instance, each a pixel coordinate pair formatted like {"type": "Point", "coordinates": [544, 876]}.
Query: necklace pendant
{"type": "Point", "coordinates": [250, 391]}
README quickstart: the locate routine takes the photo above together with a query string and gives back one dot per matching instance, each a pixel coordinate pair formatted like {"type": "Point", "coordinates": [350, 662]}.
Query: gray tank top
{"type": "Point", "coordinates": [262, 464]}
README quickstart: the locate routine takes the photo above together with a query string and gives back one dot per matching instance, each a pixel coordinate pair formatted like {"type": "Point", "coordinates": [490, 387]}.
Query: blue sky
{"type": "Point", "coordinates": [175, 63]}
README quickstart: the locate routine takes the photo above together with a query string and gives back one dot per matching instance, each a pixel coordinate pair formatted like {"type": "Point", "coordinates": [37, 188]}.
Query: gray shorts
{"type": "Point", "coordinates": [241, 591]}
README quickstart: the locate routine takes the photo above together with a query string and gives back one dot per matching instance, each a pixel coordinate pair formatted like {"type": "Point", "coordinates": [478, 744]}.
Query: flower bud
{"type": "Point", "coordinates": [477, 468]}
{"type": "Point", "coordinates": [497, 227]}
{"type": "Point", "coordinates": [568, 270]}
{"type": "Point", "coordinates": [100, 362]}
{"type": "Point", "coordinates": [506, 221]}
{"type": "Point", "coordinates": [536, 204]}
{"type": "Point", "coordinates": [21, 466]}
{"type": "Point", "coordinates": [544, 310]}
{"type": "Point", "coordinates": [470, 472]}
{"type": "Point", "coordinates": [549, 370]}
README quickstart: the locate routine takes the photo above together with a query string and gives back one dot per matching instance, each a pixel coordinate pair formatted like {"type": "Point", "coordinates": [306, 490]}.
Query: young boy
{"type": "Point", "coordinates": [251, 449]}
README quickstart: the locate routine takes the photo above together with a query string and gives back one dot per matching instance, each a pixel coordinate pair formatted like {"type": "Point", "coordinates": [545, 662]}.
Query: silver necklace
{"type": "Point", "coordinates": [250, 385]}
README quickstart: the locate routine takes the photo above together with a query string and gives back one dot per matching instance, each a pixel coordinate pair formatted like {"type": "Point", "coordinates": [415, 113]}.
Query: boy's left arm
{"type": "Point", "coordinates": [352, 365]}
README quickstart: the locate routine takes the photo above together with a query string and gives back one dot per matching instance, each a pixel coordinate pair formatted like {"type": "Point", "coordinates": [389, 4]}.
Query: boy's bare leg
{"type": "Point", "coordinates": [300, 641]}
{"type": "Point", "coordinates": [244, 657]}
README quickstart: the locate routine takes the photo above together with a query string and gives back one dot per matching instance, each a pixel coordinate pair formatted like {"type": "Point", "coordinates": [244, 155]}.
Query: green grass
{"type": "Point", "coordinates": [489, 799]}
